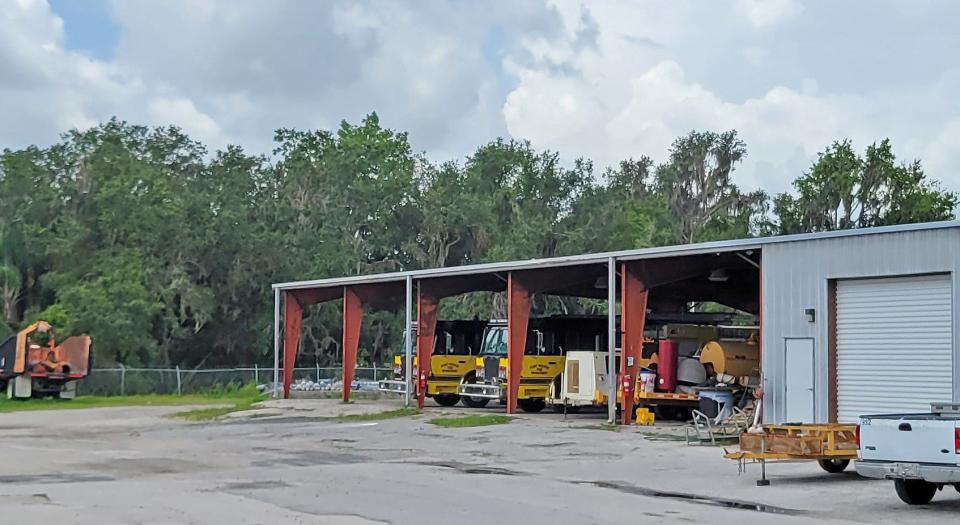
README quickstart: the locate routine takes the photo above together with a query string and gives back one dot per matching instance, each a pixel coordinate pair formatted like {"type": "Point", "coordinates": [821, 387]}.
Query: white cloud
{"type": "Point", "coordinates": [756, 55]}
{"type": "Point", "coordinates": [421, 66]}
{"type": "Point", "coordinates": [766, 13]}
{"type": "Point", "coordinates": [236, 70]}
{"type": "Point", "coordinates": [45, 89]}
{"type": "Point", "coordinates": [636, 109]}
{"type": "Point", "coordinates": [784, 128]}
{"type": "Point", "coordinates": [195, 123]}
{"type": "Point", "coordinates": [598, 79]}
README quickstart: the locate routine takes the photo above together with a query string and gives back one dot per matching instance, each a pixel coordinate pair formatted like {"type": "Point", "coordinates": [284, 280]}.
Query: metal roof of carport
{"type": "Point", "coordinates": [520, 279]}
{"type": "Point", "coordinates": [602, 258]}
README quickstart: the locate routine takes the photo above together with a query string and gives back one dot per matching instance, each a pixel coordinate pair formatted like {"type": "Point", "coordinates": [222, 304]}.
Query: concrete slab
{"type": "Point", "coordinates": [299, 464]}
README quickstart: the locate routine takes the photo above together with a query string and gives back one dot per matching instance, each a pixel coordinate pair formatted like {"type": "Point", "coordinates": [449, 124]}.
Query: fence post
{"type": "Point", "coordinates": [123, 380]}
{"type": "Point", "coordinates": [179, 391]}
{"type": "Point", "coordinates": [318, 372]}
{"type": "Point", "coordinates": [256, 375]}
{"type": "Point", "coordinates": [374, 371]}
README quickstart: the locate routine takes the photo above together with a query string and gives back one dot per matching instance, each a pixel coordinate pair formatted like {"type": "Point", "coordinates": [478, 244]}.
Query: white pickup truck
{"type": "Point", "coordinates": [919, 452]}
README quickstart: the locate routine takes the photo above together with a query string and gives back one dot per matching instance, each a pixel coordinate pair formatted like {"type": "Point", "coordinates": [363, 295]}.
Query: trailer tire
{"type": "Point", "coordinates": [833, 466]}
{"type": "Point", "coordinates": [532, 405]}
{"type": "Point", "coordinates": [915, 491]}
{"type": "Point", "coordinates": [446, 400]}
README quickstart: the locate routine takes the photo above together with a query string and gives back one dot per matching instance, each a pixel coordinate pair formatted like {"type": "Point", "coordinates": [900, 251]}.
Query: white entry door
{"type": "Point", "coordinates": [800, 373]}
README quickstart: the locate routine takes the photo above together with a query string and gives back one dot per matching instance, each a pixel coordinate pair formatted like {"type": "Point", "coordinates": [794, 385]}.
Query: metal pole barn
{"type": "Point", "coordinates": [276, 342]}
{"type": "Point", "coordinates": [408, 341]}
{"type": "Point", "coordinates": [612, 340]}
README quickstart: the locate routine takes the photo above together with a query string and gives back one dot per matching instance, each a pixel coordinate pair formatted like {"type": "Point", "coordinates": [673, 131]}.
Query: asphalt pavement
{"type": "Point", "coordinates": [296, 462]}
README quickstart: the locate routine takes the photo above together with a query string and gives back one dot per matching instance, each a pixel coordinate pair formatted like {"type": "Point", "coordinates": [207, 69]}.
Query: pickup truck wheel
{"type": "Point", "coordinates": [914, 491]}
{"type": "Point", "coordinates": [833, 466]}
{"type": "Point", "coordinates": [532, 405]}
{"type": "Point", "coordinates": [446, 400]}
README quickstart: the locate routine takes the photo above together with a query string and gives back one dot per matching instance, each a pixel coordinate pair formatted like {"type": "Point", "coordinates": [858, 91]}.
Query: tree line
{"type": "Point", "coordinates": [165, 252]}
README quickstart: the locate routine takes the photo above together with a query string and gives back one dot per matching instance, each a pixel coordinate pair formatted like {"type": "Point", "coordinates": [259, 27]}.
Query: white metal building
{"type": "Point", "coordinates": [860, 322]}
{"type": "Point", "coordinates": [852, 322]}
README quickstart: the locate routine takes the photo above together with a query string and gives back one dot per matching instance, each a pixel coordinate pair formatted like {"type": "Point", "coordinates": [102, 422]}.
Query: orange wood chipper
{"type": "Point", "coordinates": [33, 365]}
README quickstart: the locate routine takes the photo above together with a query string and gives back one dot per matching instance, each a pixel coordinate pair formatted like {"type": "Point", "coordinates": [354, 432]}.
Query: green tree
{"type": "Point", "coordinates": [10, 283]}
{"type": "Point", "coordinates": [164, 251]}
{"type": "Point", "coordinates": [844, 190]}
{"type": "Point", "coordinates": [114, 305]}
{"type": "Point", "coordinates": [703, 201]}
{"type": "Point", "coordinates": [621, 211]}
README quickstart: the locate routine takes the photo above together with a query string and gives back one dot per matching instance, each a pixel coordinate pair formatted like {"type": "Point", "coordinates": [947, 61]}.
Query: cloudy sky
{"type": "Point", "coordinates": [605, 80]}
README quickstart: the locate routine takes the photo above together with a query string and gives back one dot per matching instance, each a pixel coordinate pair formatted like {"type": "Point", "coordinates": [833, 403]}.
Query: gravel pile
{"type": "Point", "coordinates": [326, 385]}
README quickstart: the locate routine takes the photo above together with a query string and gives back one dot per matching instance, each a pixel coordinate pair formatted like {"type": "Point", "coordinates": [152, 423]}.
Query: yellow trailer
{"type": "Point", "coordinates": [831, 445]}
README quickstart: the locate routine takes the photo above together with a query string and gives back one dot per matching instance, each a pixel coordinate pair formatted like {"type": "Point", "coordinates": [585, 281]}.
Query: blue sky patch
{"type": "Point", "coordinates": [89, 26]}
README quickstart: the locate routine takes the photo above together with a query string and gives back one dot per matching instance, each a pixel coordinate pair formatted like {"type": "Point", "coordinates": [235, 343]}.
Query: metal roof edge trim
{"type": "Point", "coordinates": [601, 258]}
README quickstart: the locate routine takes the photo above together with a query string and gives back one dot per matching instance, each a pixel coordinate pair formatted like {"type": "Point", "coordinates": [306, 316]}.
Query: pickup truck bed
{"type": "Point", "coordinates": [920, 452]}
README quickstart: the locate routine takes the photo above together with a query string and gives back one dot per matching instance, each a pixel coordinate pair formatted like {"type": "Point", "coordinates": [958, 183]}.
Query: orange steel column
{"type": "Point", "coordinates": [352, 317]}
{"type": "Point", "coordinates": [292, 317]}
{"type": "Point", "coordinates": [427, 306]}
{"type": "Point", "coordinates": [518, 318]}
{"type": "Point", "coordinates": [633, 313]}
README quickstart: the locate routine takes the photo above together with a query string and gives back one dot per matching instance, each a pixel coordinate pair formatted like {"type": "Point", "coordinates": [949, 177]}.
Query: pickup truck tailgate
{"type": "Point", "coordinates": [918, 438]}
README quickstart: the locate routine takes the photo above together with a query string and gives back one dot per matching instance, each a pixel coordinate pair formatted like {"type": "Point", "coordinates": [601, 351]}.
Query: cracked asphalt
{"type": "Point", "coordinates": [295, 462]}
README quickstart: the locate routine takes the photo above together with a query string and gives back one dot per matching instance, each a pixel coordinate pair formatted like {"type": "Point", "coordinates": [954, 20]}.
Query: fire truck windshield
{"type": "Point", "coordinates": [495, 341]}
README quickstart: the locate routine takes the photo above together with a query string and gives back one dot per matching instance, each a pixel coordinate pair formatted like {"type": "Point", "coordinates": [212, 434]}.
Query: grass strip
{"type": "Point", "coordinates": [376, 416]}
{"type": "Point", "coordinates": [211, 413]}
{"type": "Point", "coordinates": [471, 421]}
{"type": "Point", "coordinates": [234, 399]}
{"type": "Point", "coordinates": [604, 426]}
{"type": "Point", "coordinates": [81, 402]}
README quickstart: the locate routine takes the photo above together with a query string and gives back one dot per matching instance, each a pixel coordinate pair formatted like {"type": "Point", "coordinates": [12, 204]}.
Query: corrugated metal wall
{"type": "Point", "coordinates": [795, 277]}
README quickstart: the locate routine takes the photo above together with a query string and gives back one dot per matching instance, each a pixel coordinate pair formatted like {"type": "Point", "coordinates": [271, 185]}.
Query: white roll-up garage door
{"type": "Point", "coordinates": [894, 345]}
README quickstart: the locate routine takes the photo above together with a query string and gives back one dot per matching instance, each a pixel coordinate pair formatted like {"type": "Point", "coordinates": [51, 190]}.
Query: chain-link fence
{"type": "Point", "coordinates": [131, 381]}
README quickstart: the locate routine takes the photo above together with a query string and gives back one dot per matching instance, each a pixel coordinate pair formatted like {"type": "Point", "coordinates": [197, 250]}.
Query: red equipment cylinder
{"type": "Point", "coordinates": [667, 353]}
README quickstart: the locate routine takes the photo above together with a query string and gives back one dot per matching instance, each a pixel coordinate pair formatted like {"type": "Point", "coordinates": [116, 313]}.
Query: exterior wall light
{"type": "Point", "coordinates": [810, 314]}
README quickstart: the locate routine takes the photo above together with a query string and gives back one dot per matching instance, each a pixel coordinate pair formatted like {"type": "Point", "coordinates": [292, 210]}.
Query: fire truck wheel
{"type": "Point", "coordinates": [532, 405]}
{"type": "Point", "coordinates": [474, 402]}
{"type": "Point", "coordinates": [446, 400]}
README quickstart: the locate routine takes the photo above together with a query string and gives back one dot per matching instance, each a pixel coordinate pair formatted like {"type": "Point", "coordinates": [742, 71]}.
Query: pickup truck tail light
{"type": "Point", "coordinates": [956, 439]}
{"type": "Point", "coordinates": [858, 438]}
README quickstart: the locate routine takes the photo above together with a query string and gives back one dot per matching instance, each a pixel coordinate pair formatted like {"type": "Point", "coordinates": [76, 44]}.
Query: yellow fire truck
{"type": "Point", "coordinates": [543, 358]}
{"type": "Point", "coordinates": [451, 364]}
